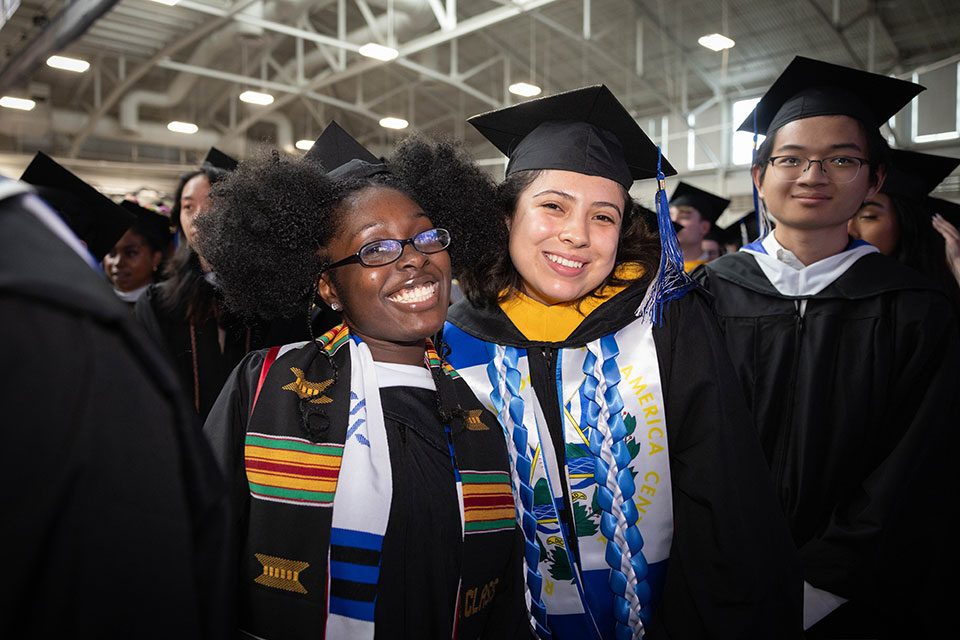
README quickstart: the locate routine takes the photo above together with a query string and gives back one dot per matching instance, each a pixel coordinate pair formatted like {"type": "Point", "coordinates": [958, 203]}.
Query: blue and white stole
{"type": "Point", "coordinates": [615, 447]}
{"type": "Point", "coordinates": [809, 280]}
{"type": "Point", "coordinates": [361, 505]}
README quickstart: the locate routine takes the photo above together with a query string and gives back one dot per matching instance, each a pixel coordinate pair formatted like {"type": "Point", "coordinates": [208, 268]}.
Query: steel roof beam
{"type": "Point", "coordinates": [66, 27]}
{"type": "Point", "coordinates": [465, 27]}
{"type": "Point", "coordinates": [131, 79]}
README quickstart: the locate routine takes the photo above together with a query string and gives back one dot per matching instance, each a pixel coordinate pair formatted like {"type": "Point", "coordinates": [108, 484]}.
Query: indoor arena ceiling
{"type": "Point", "coordinates": [152, 63]}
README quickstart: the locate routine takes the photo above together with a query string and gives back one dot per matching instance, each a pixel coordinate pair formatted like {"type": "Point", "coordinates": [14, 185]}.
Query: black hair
{"type": "Point", "coordinates": [213, 174]}
{"type": "Point", "coordinates": [920, 247]}
{"type": "Point", "coordinates": [186, 292]}
{"type": "Point", "coordinates": [491, 274]}
{"type": "Point", "coordinates": [270, 221]}
{"type": "Point", "coordinates": [878, 151]}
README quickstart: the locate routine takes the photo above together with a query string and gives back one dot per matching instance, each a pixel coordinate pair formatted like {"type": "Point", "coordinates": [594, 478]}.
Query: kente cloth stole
{"type": "Point", "coordinates": [354, 479]}
{"type": "Point", "coordinates": [578, 599]}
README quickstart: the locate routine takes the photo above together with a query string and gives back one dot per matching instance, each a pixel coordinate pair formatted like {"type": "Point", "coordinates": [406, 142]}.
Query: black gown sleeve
{"type": "Point", "coordinates": [226, 425]}
{"type": "Point", "coordinates": [145, 313]}
{"type": "Point", "coordinates": [733, 569]}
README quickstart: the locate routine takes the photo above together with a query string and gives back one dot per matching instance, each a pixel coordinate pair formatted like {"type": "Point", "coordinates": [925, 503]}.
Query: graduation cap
{"type": "Point", "coordinates": [739, 231]}
{"type": "Point", "coordinates": [913, 175]}
{"type": "Point", "coordinates": [709, 205]}
{"type": "Point", "coordinates": [809, 88]}
{"type": "Point", "coordinates": [96, 219]}
{"type": "Point", "coordinates": [342, 157]}
{"type": "Point", "coordinates": [586, 130]}
{"type": "Point", "coordinates": [151, 225]}
{"type": "Point", "coordinates": [219, 160]}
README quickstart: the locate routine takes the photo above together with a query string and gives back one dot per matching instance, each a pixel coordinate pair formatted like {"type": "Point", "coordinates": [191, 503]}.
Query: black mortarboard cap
{"type": "Point", "coordinates": [95, 218]}
{"type": "Point", "coordinates": [809, 88]}
{"type": "Point", "coordinates": [150, 224]}
{"type": "Point", "coordinates": [342, 157]}
{"type": "Point", "coordinates": [734, 232]}
{"type": "Point", "coordinates": [220, 160]}
{"type": "Point", "coordinates": [913, 175]}
{"type": "Point", "coordinates": [709, 205]}
{"type": "Point", "coordinates": [586, 130]}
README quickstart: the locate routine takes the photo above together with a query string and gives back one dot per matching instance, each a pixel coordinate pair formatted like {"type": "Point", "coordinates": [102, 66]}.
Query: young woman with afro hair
{"type": "Point", "coordinates": [372, 487]}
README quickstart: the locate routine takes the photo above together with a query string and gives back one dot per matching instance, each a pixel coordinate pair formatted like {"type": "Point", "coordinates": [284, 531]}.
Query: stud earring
{"type": "Point", "coordinates": [335, 306]}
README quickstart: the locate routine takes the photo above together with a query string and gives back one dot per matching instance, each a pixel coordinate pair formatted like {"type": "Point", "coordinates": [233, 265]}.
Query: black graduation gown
{"type": "Point", "coordinates": [732, 572]}
{"type": "Point", "coordinates": [115, 521]}
{"type": "Point", "coordinates": [856, 407]}
{"type": "Point", "coordinates": [213, 366]}
{"type": "Point", "coordinates": [422, 556]}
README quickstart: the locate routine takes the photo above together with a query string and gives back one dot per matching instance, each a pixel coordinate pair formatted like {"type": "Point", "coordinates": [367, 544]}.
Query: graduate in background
{"type": "Point", "coordinates": [373, 487]}
{"type": "Point", "coordinates": [115, 520]}
{"type": "Point", "coordinates": [134, 262]}
{"type": "Point", "coordinates": [644, 497]}
{"type": "Point", "coordinates": [697, 211]}
{"type": "Point", "coordinates": [185, 314]}
{"type": "Point", "coordinates": [847, 359]}
{"type": "Point", "coordinates": [899, 219]}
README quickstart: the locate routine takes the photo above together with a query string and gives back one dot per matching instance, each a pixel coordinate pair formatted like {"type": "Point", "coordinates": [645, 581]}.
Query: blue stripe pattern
{"type": "Point", "coordinates": [352, 608]}
{"type": "Point", "coordinates": [354, 572]}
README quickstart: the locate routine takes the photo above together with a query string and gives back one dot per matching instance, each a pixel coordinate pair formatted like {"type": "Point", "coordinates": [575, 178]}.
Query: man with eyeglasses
{"type": "Point", "coordinates": [845, 357]}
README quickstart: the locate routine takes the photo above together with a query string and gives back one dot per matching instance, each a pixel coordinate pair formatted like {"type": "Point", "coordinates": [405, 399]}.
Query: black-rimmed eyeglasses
{"type": "Point", "coordinates": [837, 169]}
{"type": "Point", "coordinates": [382, 252]}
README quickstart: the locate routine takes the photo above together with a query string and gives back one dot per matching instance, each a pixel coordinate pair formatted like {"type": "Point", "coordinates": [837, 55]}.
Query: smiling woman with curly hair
{"type": "Point", "coordinates": [373, 487]}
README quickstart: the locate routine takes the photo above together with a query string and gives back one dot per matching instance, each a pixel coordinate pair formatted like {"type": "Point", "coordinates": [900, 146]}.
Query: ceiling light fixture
{"type": "Point", "coordinates": [183, 127]}
{"type": "Point", "coordinates": [169, 3]}
{"type": "Point", "coordinates": [716, 42]}
{"type": "Point", "coordinates": [68, 64]}
{"type": "Point", "coordinates": [524, 89]}
{"type": "Point", "coordinates": [378, 52]}
{"type": "Point", "coordinates": [393, 123]}
{"type": "Point", "coordinates": [256, 97]}
{"type": "Point", "coordinates": [304, 145]}
{"type": "Point", "coordinates": [17, 103]}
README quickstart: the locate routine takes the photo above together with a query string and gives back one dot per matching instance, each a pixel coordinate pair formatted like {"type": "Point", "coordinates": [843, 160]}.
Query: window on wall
{"type": "Point", "coordinates": [742, 149]}
{"type": "Point", "coordinates": [935, 113]}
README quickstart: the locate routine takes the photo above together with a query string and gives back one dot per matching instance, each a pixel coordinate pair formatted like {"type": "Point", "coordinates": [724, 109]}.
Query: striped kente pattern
{"type": "Point", "coordinates": [431, 358]}
{"type": "Point", "coordinates": [335, 338]}
{"type": "Point", "coordinates": [292, 470]}
{"type": "Point", "coordinates": [487, 501]}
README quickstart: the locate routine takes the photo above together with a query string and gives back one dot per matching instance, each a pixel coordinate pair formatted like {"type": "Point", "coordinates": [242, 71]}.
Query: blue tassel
{"type": "Point", "coordinates": [672, 282]}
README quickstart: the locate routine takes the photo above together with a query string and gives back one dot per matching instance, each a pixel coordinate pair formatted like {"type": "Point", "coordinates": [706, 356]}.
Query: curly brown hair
{"type": "Point", "coordinates": [490, 276]}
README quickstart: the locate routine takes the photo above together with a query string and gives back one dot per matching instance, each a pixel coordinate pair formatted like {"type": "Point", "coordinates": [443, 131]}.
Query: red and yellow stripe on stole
{"type": "Point", "coordinates": [292, 470]}
{"type": "Point", "coordinates": [487, 501]}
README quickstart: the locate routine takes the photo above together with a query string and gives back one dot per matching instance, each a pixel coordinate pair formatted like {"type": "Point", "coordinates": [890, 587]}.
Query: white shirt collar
{"type": "Point", "coordinates": [403, 375]}
{"type": "Point", "coordinates": [792, 278]}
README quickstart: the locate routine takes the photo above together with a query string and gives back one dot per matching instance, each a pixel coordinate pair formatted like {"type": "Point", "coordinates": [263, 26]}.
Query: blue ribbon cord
{"type": "Point", "coordinates": [590, 417]}
{"type": "Point", "coordinates": [512, 406]}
